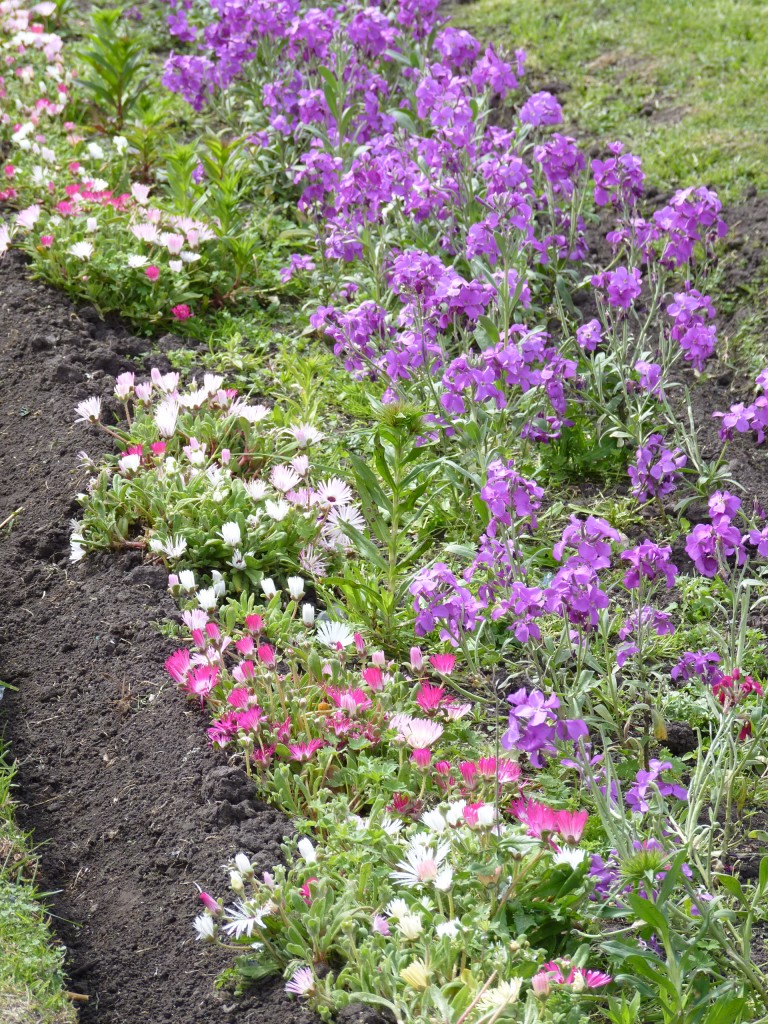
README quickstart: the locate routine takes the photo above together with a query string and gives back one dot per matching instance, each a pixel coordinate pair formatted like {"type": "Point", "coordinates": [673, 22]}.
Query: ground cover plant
{"type": "Point", "coordinates": [460, 587]}
{"type": "Point", "coordinates": [31, 976]}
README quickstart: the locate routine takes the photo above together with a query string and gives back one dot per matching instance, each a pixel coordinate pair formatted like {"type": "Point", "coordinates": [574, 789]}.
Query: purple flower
{"type": "Point", "coordinates": [296, 263]}
{"type": "Point", "coordinates": [507, 492]}
{"type": "Point", "coordinates": [648, 782]}
{"type": "Point", "coordinates": [723, 504]}
{"type": "Point", "coordinates": [650, 378]}
{"type": "Point", "coordinates": [710, 546]}
{"type": "Point", "coordinates": [647, 618]}
{"type": "Point", "coordinates": [648, 561]}
{"type": "Point", "coordinates": [441, 598]}
{"type": "Point", "coordinates": [705, 665]}
{"type": "Point", "coordinates": [698, 343]}
{"type": "Point", "coordinates": [575, 594]}
{"type": "Point", "coordinates": [541, 108]}
{"type": "Point", "coordinates": [592, 540]}
{"type": "Point", "coordinates": [619, 179]}
{"type": "Point", "coordinates": [623, 286]}
{"type": "Point", "coordinates": [656, 471]}
{"type": "Point", "coordinates": [534, 725]}
{"type": "Point", "coordinates": [561, 161]}
{"type": "Point", "coordinates": [589, 335]}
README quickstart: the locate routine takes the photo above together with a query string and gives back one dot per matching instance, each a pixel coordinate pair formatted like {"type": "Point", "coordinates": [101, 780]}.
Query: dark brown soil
{"type": "Point", "coordinates": [130, 805]}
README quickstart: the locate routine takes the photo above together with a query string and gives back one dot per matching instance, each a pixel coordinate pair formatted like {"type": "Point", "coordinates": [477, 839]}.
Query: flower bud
{"type": "Point", "coordinates": [268, 588]}
{"type": "Point", "coordinates": [236, 882]}
{"type": "Point", "coordinates": [295, 587]}
{"type": "Point", "coordinates": [308, 614]}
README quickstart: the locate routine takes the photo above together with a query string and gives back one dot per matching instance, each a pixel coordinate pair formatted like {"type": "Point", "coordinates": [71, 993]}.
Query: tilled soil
{"type": "Point", "coordinates": [129, 804]}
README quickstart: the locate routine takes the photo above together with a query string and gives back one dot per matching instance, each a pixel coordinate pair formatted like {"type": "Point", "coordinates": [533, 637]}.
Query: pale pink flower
{"type": "Point", "coordinates": [146, 232]}
{"type": "Point", "coordinates": [302, 983]}
{"type": "Point", "coordinates": [334, 491]}
{"type": "Point", "coordinates": [284, 478]}
{"type": "Point", "coordinates": [29, 217]}
{"type": "Point", "coordinates": [88, 411]}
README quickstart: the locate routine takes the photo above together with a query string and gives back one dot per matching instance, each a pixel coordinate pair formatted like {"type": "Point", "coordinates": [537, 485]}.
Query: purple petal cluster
{"type": "Point", "coordinates": [648, 561]}
{"type": "Point", "coordinates": [534, 725]}
{"type": "Point", "coordinates": [648, 782]}
{"type": "Point", "coordinates": [656, 471]}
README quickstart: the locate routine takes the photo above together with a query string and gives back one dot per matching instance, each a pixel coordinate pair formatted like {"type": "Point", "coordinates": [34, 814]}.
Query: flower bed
{"type": "Point", "coordinates": [456, 666]}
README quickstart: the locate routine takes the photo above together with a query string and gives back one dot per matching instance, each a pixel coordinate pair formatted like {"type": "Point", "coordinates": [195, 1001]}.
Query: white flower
{"type": "Point", "coordinates": [207, 599]}
{"type": "Point", "coordinates": [333, 634]}
{"type": "Point", "coordinates": [231, 534]}
{"type": "Point", "coordinates": [277, 510]}
{"type": "Point", "coordinates": [5, 238]}
{"type": "Point", "coordinates": [166, 415]}
{"type": "Point", "coordinates": [187, 580]}
{"type": "Point", "coordinates": [29, 217]}
{"type": "Point", "coordinates": [421, 864]}
{"type": "Point", "coordinates": [295, 587]}
{"type": "Point", "coordinates": [91, 225]}
{"type": "Point", "coordinates": [145, 232]}
{"type": "Point", "coordinates": [140, 193]}
{"type": "Point", "coordinates": [257, 489]}
{"type": "Point", "coordinates": [302, 982]}
{"type": "Point", "coordinates": [397, 909]}
{"type": "Point", "coordinates": [504, 994]}
{"type": "Point", "coordinates": [455, 813]}
{"type": "Point", "coordinates": [284, 478]}
{"type": "Point", "coordinates": [237, 561]}
{"type": "Point", "coordinates": [418, 733]}
{"type": "Point", "coordinates": [95, 151]}
{"type": "Point", "coordinates": [124, 384]}
{"type": "Point", "coordinates": [120, 143]}
{"type": "Point", "coordinates": [305, 433]}
{"type": "Point", "coordinates": [572, 856]}
{"type": "Point", "coordinates": [307, 851]}
{"type": "Point", "coordinates": [243, 864]}
{"type": "Point", "coordinates": [173, 547]}
{"type": "Point", "coordinates": [308, 614]}
{"type": "Point", "coordinates": [268, 588]}
{"type": "Point", "coordinates": [434, 820]}
{"type": "Point", "coordinates": [205, 927]}
{"type": "Point", "coordinates": [76, 551]}
{"type": "Point", "coordinates": [136, 262]}
{"type": "Point", "coordinates": [334, 491]}
{"type": "Point", "coordinates": [173, 243]}
{"type": "Point", "coordinates": [129, 463]}
{"type": "Point", "coordinates": [88, 411]}
{"type": "Point", "coordinates": [334, 524]}
{"type": "Point", "coordinates": [448, 929]}
{"type": "Point", "coordinates": [410, 926]}
{"type": "Point", "coordinates": [250, 413]}
{"type": "Point", "coordinates": [190, 257]}
{"type": "Point", "coordinates": [243, 918]}
{"type": "Point", "coordinates": [212, 383]}
{"type": "Point", "coordinates": [175, 266]}
{"type": "Point", "coordinates": [82, 250]}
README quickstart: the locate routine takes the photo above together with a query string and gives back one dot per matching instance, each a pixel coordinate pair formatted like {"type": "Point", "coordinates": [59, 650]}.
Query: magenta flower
{"type": "Point", "coordinates": [182, 311]}
{"type": "Point", "coordinates": [648, 561]}
{"type": "Point", "coordinates": [541, 108]}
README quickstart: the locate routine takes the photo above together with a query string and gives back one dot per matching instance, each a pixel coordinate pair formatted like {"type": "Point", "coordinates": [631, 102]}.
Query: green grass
{"type": "Point", "coordinates": [682, 81]}
{"type": "Point", "coordinates": [31, 977]}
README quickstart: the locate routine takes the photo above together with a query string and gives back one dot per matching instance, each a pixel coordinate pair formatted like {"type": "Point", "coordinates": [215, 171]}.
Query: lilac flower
{"type": "Point", "coordinates": [650, 378]}
{"type": "Point", "coordinates": [657, 469]}
{"type": "Point", "coordinates": [589, 335]}
{"type": "Point", "coordinates": [534, 725]}
{"type": "Point", "coordinates": [561, 161]}
{"type": "Point", "coordinates": [441, 598]}
{"type": "Point", "coordinates": [647, 618]}
{"type": "Point", "coordinates": [638, 796]}
{"type": "Point", "coordinates": [496, 74]}
{"type": "Point", "coordinates": [710, 546]}
{"type": "Point", "coordinates": [698, 343]}
{"type": "Point", "coordinates": [692, 215]}
{"type": "Point", "coordinates": [723, 504]}
{"type": "Point", "coordinates": [702, 664]}
{"type": "Point", "coordinates": [619, 179]}
{"type": "Point", "coordinates": [524, 605]}
{"type": "Point", "coordinates": [623, 286]}
{"type": "Point", "coordinates": [575, 594]}
{"type": "Point", "coordinates": [591, 537]}
{"type": "Point", "coordinates": [541, 108]}
{"type": "Point", "coordinates": [506, 492]}
{"type": "Point", "coordinates": [648, 561]}
{"type": "Point", "coordinates": [296, 263]}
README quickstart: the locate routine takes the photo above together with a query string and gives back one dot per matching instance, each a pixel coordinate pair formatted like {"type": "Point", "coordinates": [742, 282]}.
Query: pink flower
{"type": "Point", "coordinates": [182, 311]}
{"type": "Point", "coordinates": [443, 663]}
{"type": "Point", "coordinates": [266, 654]}
{"type": "Point", "coordinates": [374, 677]}
{"type": "Point", "coordinates": [46, 241]}
{"type": "Point", "coordinates": [254, 623]}
{"type": "Point", "coordinates": [153, 273]}
{"type": "Point", "coordinates": [421, 757]}
{"type": "Point", "coordinates": [178, 664]}
{"type": "Point", "coordinates": [429, 697]}
{"type": "Point", "coordinates": [210, 903]}
{"type": "Point", "coordinates": [305, 751]}
{"type": "Point", "coordinates": [351, 701]}
{"type": "Point", "coordinates": [306, 893]}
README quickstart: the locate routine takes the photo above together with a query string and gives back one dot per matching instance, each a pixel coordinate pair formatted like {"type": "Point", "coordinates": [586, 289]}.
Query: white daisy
{"type": "Point", "coordinates": [334, 491]}
{"type": "Point", "coordinates": [333, 634]}
{"type": "Point", "coordinates": [82, 250]}
{"type": "Point", "coordinates": [231, 534]}
{"type": "Point", "coordinates": [88, 411]}
{"type": "Point", "coordinates": [421, 865]}
{"type": "Point", "coordinates": [284, 478]}
{"type": "Point", "coordinates": [277, 510]}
